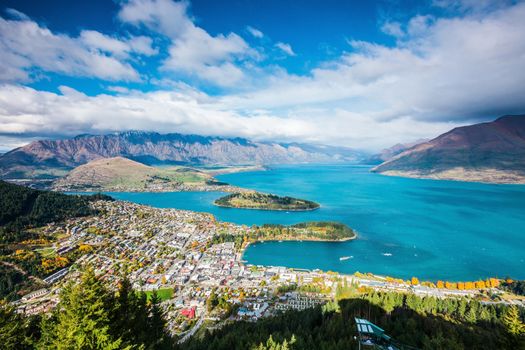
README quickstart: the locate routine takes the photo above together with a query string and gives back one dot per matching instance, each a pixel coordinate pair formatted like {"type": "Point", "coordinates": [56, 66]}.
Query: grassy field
{"type": "Point", "coordinates": [163, 293]}
{"type": "Point", "coordinates": [121, 174]}
{"type": "Point", "coordinates": [48, 252]}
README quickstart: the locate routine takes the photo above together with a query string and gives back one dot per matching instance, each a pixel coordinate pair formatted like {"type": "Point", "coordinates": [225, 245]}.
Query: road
{"type": "Point", "coordinates": [192, 331]}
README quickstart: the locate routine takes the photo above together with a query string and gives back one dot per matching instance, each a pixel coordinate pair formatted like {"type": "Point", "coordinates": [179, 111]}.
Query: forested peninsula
{"type": "Point", "coordinates": [264, 201]}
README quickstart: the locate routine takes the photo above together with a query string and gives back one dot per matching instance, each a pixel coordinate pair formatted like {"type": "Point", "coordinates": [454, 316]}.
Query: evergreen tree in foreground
{"type": "Point", "coordinates": [89, 316]}
{"type": "Point", "coordinates": [12, 332]}
{"type": "Point", "coordinates": [82, 318]}
{"type": "Point", "coordinates": [514, 327]}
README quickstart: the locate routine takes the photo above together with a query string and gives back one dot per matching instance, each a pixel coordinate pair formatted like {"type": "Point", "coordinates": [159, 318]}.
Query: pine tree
{"type": "Point", "coordinates": [512, 321]}
{"type": "Point", "coordinates": [12, 335]}
{"type": "Point", "coordinates": [140, 318]}
{"type": "Point", "coordinates": [124, 315]}
{"type": "Point", "coordinates": [156, 323]}
{"type": "Point", "coordinates": [82, 318]}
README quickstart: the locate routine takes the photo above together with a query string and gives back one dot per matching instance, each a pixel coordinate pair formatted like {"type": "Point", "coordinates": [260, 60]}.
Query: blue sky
{"type": "Point", "coordinates": [362, 74]}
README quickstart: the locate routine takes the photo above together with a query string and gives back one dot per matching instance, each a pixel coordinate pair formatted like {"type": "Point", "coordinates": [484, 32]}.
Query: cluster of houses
{"type": "Point", "coordinates": [174, 249]}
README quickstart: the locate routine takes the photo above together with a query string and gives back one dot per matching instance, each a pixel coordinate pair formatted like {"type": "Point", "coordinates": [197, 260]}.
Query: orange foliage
{"type": "Point", "coordinates": [49, 265]}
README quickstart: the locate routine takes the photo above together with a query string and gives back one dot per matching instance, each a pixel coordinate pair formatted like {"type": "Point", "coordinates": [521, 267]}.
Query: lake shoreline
{"type": "Point", "coordinates": [422, 223]}
{"type": "Point", "coordinates": [265, 209]}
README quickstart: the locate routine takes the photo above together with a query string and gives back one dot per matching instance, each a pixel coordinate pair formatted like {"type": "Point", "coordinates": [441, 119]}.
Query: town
{"type": "Point", "coordinates": [198, 273]}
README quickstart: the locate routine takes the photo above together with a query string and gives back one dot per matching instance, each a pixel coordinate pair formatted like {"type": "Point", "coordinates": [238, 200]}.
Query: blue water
{"type": "Point", "coordinates": [432, 229]}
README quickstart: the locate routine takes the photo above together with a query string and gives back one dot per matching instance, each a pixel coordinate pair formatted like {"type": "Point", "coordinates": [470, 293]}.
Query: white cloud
{"type": "Point", "coordinates": [472, 6]}
{"type": "Point", "coordinates": [25, 45]}
{"type": "Point", "coordinates": [256, 33]}
{"type": "Point", "coordinates": [163, 16]}
{"type": "Point", "coordinates": [441, 73]}
{"type": "Point", "coordinates": [99, 41]}
{"type": "Point", "coordinates": [393, 29]}
{"type": "Point", "coordinates": [286, 48]}
{"type": "Point", "coordinates": [26, 111]}
{"type": "Point", "coordinates": [142, 45]}
{"type": "Point", "coordinates": [444, 69]}
{"type": "Point", "coordinates": [208, 57]}
{"type": "Point", "coordinates": [193, 51]}
{"type": "Point", "coordinates": [15, 14]}
{"type": "Point", "coordinates": [118, 47]}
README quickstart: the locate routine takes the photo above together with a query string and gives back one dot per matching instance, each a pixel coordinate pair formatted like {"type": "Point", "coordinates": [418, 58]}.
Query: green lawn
{"type": "Point", "coordinates": [163, 293]}
{"type": "Point", "coordinates": [48, 252]}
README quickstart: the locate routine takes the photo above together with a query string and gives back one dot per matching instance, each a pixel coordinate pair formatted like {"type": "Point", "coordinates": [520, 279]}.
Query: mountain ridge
{"type": "Point", "coordinates": [120, 174]}
{"type": "Point", "coordinates": [53, 158]}
{"type": "Point", "coordinates": [485, 152]}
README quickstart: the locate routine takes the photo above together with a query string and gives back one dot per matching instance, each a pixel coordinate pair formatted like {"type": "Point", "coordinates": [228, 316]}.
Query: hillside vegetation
{"type": "Point", "coordinates": [308, 231]}
{"type": "Point", "coordinates": [90, 315]}
{"type": "Point", "coordinates": [22, 208]}
{"type": "Point", "coordinates": [122, 174]}
{"type": "Point", "coordinates": [22, 211]}
{"type": "Point", "coordinates": [312, 230]}
{"type": "Point", "coordinates": [263, 201]}
{"type": "Point", "coordinates": [414, 322]}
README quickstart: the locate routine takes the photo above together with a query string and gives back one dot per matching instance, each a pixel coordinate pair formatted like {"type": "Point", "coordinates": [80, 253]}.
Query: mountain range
{"type": "Point", "coordinates": [390, 152]}
{"type": "Point", "coordinates": [486, 152]}
{"type": "Point", "coordinates": [54, 158]}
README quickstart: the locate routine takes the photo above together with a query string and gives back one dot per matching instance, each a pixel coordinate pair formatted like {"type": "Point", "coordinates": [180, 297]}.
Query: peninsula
{"type": "Point", "coordinates": [308, 231]}
{"type": "Point", "coordinates": [264, 201]}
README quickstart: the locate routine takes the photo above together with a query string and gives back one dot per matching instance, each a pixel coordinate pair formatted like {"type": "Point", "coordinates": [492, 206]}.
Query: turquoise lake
{"type": "Point", "coordinates": [406, 227]}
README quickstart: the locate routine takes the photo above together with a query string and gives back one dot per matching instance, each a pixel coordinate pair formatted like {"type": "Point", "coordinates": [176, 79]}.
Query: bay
{"type": "Point", "coordinates": [406, 227]}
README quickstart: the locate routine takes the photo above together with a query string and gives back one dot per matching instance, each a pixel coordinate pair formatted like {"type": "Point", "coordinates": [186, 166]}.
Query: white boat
{"type": "Point", "coordinates": [343, 258]}
{"type": "Point", "coordinates": [387, 254]}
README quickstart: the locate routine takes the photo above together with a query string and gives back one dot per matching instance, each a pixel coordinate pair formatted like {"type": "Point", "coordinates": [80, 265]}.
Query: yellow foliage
{"type": "Point", "coordinates": [85, 248]}
{"type": "Point", "coordinates": [49, 265]}
{"type": "Point", "coordinates": [480, 284]}
{"type": "Point", "coordinates": [450, 285]}
{"type": "Point", "coordinates": [469, 285]}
